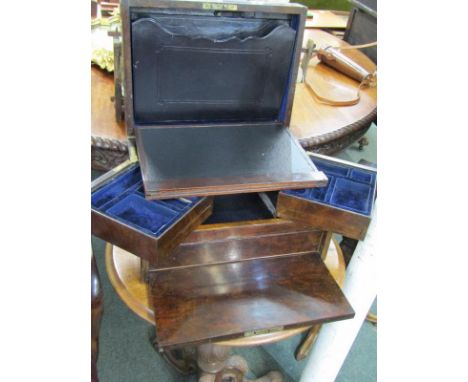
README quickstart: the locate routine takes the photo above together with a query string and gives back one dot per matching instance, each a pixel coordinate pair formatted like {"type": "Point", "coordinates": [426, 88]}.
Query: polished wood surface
{"type": "Point", "coordinates": [322, 216]}
{"type": "Point", "coordinates": [123, 269]}
{"type": "Point", "coordinates": [317, 125]}
{"type": "Point", "coordinates": [220, 302]}
{"type": "Point", "coordinates": [224, 243]}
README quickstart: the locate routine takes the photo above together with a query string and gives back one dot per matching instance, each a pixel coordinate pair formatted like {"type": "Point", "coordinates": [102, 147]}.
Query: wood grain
{"type": "Point", "coordinates": [123, 269]}
{"type": "Point", "coordinates": [220, 302]}
{"type": "Point", "coordinates": [323, 216]}
{"type": "Point", "coordinates": [243, 241]}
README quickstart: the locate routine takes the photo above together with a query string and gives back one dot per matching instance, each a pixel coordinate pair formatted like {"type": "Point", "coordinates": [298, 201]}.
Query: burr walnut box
{"type": "Point", "coordinates": [343, 206]}
{"type": "Point", "coordinates": [209, 89]}
{"type": "Point", "coordinates": [208, 97]}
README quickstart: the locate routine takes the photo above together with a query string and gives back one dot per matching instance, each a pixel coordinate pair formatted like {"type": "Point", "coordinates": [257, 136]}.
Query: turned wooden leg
{"type": "Point", "coordinates": [218, 365]}
{"type": "Point", "coordinates": [304, 348]}
{"type": "Point", "coordinates": [96, 315]}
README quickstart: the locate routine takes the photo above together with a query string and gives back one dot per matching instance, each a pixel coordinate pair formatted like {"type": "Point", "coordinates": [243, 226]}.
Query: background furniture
{"type": "Point", "coordinates": [323, 128]}
{"type": "Point", "coordinates": [108, 137]}
{"type": "Point", "coordinates": [362, 26]}
{"type": "Point", "coordinates": [325, 19]}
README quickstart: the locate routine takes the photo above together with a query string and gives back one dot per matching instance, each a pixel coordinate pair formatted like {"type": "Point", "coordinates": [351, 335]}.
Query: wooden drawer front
{"type": "Point", "coordinates": [344, 206]}
{"type": "Point", "coordinates": [224, 243]}
{"type": "Point", "coordinates": [122, 216]}
{"type": "Point", "coordinates": [225, 301]}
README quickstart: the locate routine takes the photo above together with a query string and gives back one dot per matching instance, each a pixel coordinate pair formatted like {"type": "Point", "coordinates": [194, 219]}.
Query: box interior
{"type": "Point", "coordinates": [240, 207]}
{"type": "Point", "coordinates": [123, 199]}
{"type": "Point", "coordinates": [348, 188]}
{"type": "Point", "coordinates": [209, 66]}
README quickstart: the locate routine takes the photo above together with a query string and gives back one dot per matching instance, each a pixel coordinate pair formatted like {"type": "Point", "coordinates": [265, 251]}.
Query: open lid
{"type": "Point", "coordinates": [222, 71]}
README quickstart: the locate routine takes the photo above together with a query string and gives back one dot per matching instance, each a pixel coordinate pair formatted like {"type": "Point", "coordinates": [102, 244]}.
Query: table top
{"type": "Point", "coordinates": [123, 269]}
{"type": "Point", "coordinates": [313, 122]}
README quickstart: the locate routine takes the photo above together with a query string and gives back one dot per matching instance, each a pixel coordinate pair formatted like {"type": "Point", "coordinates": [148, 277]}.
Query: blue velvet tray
{"type": "Point", "coordinates": [348, 188]}
{"type": "Point", "coordinates": [123, 199]}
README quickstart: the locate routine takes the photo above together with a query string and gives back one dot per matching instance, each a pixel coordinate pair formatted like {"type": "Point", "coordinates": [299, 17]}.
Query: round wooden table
{"type": "Point", "coordinates": [323, 128]}
{"type": "Point", "coordinates": [123, 269]}
{"type": "Point", "coordinates": [108, 137]}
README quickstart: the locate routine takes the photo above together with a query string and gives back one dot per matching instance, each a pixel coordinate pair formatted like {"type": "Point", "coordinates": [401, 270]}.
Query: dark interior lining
{"type": "Point", "coordinates": [241, 207]}
{"type": "Point", "coordinates": [195, 68]}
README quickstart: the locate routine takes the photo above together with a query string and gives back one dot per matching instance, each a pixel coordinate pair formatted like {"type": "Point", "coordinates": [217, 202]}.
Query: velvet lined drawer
{"type": "Point", "coordinates": [150, 229]}
{"type": "Point", "coordinates": [343, 206]}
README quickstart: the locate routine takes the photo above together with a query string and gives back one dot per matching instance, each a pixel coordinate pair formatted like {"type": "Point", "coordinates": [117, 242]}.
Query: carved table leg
{"type": "Point", "coordinates": [304, 348]}
{"type": "Point", "coordinates": [218, 365]}
{"type": "Point", "coordinates": [96, 315]}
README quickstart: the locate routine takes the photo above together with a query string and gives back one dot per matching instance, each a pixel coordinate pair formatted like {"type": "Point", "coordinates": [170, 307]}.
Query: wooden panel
{"type": "Point", "coordinates": [232, 300]}
{"type": "Point", "coordinates": [321, 216]}
{"type": "Point", "coordinates": [223, 243]}
{"type": "Point", "coordinates": [217, 160]}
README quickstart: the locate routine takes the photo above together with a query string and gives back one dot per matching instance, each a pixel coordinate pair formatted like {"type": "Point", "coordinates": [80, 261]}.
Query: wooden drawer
{"type": "Point", "coordinates": [121, 215]}
{"type": "Point", "coordinates": [344, 206]}
{"type": "Point", "coordinates": [225, 243]}
{"type": "Point", "coordinates": [242, 227]}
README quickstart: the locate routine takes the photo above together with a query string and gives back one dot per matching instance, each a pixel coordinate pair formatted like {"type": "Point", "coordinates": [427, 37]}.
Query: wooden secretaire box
{"type": "Point", "coordinates": [208, 90]}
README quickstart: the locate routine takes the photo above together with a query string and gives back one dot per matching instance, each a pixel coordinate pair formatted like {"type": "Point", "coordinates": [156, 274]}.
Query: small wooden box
{"type": "Point", "coordinates": [344, 206]}
{"type": "Point", "coordinates": [121, 215]}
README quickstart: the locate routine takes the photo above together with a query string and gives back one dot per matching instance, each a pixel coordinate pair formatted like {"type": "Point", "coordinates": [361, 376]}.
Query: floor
{"type": "Point", "coordinates": [126, 353]}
